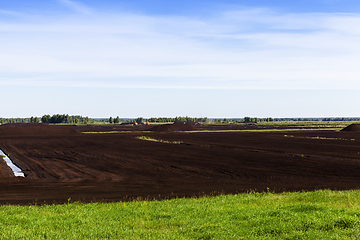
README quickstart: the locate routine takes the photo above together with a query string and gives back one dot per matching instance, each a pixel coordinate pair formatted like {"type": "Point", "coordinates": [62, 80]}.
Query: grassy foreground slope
{"type": "Point", "coordinates": [308, 215]}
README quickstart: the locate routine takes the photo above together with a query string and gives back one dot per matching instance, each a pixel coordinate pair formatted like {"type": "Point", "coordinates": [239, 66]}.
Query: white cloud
{"type": "Point", "coordinates": [76, 6]}
{"type": "Point", "coordinates": [248, 49]}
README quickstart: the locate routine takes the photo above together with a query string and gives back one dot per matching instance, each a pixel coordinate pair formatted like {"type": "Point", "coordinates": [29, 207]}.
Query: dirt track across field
{"type": "Point", "coordinates": [62, 163]}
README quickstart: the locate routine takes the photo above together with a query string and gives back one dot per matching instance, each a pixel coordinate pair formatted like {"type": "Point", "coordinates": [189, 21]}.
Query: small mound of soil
{"type": "Point", "coordinates": [352, 128]}
{"type": "Point", "coordinates": [173, 127]}
{"type": "Point", "coordinates": [127, 123]}
{"type": "Point", "coordinates": [34, 129]}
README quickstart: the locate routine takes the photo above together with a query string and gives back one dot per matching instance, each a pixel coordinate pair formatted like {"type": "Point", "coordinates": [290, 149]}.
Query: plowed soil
{"type": "Point", "coordinates": [352, 128]}
{"type": "Point", "coordinates": [173, 127]}
{"type": "Point", "coordinates": [62, 163]}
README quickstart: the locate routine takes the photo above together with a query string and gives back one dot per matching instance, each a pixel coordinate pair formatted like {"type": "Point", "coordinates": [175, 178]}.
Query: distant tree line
{"type": "Point", "coordinates": [269, 119]}
{"type": "Point", "coordinates": [77, 119]}
{"type": "Point", "coordinates": [339, 119]}
{"type": "Point", "coordinates": [14, 120]}
{"type": "Point", "coordinates": [331, 119]}
{"type": "Point", "coordinates": [58, 118]}
{"type": "Point", "coordinates": [178, 119]}
{"type": "Point", "coordinates": [158, 120]}
{"type": "Point", "coordinates": [114, 120]}
{"type": "Point", "coordinates": [245, 119]}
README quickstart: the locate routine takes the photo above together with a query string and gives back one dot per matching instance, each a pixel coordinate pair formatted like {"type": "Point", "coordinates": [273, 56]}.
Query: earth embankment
{"type": "Point", "coordinates": [352, 128]}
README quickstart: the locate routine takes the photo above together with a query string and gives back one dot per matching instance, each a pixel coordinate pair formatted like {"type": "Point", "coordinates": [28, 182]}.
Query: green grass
{"type": "Point", "coordinates": [323, 138]}
{"type": "Point", "coordinates": [116, 132]}
{"type": "Point", "coordinates": [203, 131]}
{"type": "Point", "coordinates": [308, 215]}
{"type": "Point", "coordinates": [106, 132]}
{"type": "Point", "coordinates": [301, 123]}
{"type": "Point", "coordinates": [269, 130]}
{"type": "Point", "coordinates": [157, 140]}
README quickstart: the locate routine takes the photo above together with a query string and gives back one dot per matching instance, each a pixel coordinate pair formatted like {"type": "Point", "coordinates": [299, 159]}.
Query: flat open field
{"type": "Point", "coordinates": [62, 163]}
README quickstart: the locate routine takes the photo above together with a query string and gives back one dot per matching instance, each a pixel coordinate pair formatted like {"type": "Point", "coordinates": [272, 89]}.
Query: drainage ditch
{"type": "Point", "coordinates": [16, 170]}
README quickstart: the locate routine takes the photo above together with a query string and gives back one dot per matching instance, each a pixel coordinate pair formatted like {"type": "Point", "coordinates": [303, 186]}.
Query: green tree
{"type": "Point", "coordinates": [247, 119]}
{"type": "Point", "coordinates": [139, 120]}
{"type": "Point", "coordinates": [110, 120]}
{"type": "Point", "coordinates": [45, 119]}
{"type": "Point", "coordinates": [117, 120]}
{"type": "Point", "coordinates": [67, 119]}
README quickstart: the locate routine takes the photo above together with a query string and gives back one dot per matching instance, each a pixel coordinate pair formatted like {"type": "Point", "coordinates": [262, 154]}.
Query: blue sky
{"type": "Point", "coordinates": [157, 58]}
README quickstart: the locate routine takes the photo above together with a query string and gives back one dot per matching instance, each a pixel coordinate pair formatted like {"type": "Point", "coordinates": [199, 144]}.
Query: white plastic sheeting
{"type": "Point", "coordinates": [16, 170]}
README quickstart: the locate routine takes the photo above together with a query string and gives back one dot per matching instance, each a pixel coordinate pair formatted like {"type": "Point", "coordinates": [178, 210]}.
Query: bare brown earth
{"type": "Point", "coordinates": [62, 163]}
{"type": "Point", "coordinates": [352, 128]}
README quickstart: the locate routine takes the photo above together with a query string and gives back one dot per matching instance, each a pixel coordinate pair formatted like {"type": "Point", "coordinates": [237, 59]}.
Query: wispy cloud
{"type": "Point", "coordinates": [245, 49]}
{"type": "Point", "coordinates": [76, 6]}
